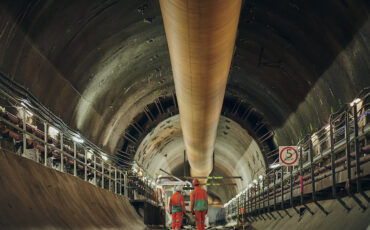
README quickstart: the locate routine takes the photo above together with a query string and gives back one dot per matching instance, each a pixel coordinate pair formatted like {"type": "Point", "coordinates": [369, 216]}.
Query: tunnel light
{"type": "Point", "coordinates": [78, 139]}
{"type": "Point", "coordinates": [314, 137]}
{"type": "Point", "coordinates": [134, 168]}
{"type": "Point", "coordinates": [89, 154]}
{"type": "Point", "coordinates": [272, 166]}
{"type": "Point", "coordinates": [29, 113]}
{"type": "Point", "coordinates": [104, 158]}
{"type": "Point", "coordinates": [355, 101]}
{"type": "Point", "coordinates": [53, 132]}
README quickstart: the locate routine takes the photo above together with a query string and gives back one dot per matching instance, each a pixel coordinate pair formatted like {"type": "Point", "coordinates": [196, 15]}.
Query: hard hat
{"type": "Point", "coordinates": [178, 189]}
{"type": "Point", "coordinates": [195, 182]}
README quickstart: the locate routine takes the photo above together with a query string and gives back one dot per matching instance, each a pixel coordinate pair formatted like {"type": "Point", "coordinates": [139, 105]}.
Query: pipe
{"type": "Point", "coordinates": [201, 37]}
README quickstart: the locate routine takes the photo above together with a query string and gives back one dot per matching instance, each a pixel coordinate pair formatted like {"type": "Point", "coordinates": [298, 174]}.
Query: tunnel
{"type": "Point", "coordinates": [107, 106]}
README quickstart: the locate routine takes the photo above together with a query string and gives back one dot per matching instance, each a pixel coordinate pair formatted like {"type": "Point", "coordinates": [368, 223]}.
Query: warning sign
{"type": "Point", "coordinates": [288, 155]}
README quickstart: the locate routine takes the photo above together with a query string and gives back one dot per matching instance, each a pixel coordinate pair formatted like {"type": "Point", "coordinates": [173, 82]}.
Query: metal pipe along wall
{"type": "Point", "coordinates": [201, 38]}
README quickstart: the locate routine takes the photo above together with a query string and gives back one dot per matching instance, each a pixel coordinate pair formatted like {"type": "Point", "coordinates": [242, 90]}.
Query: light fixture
{"type": "Point", "coordinates": [250, 185]}
{"type": "Point", "coordinates": [78, 139]}
{"type": "Point", "coordinates": [355, 101]}
{"type": "Point", "coordinates": [272, 166]}
{"type": "Point", "coordinates": [24, 105]}
{"type": "Point", "coordinates": [327, 127]}
{"type": "Point", "coordinates": [261, 177]}
{"type": "Point", "coordinates": [314, 137]}
{"type": "Point", "coordinates": [104, 158]}
{"type": "Point", "coordinates": [29, 113]}
{"type": "Point", "coordinates": [255, 181]}
{"type": "Point", "coordinates": [53, 132]}
{"type": "Point", "coordinates": [89, 154]}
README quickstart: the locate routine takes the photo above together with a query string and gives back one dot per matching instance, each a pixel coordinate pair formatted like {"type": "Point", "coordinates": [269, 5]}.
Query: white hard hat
{"type": "Point", "coordinates": [178, 189]}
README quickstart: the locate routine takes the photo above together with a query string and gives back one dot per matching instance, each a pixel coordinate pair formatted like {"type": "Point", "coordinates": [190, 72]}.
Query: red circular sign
{"type": "Point", "coordinates": [281, 153]}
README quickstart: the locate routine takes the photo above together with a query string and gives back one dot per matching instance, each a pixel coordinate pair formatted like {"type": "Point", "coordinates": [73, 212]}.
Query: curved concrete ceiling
{"type": "Point", "coordinates": [98, 64]}
{"type": "Point", "coordinates": [236, 153]}
{"type": "Point", "coordinates": [166, 107]}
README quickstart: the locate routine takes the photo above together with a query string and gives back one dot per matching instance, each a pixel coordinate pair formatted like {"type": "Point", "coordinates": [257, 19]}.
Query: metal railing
{"type": "Point", "coordinates": [34, 137]}
{"type": "Point", "coordinates": [333, 149]}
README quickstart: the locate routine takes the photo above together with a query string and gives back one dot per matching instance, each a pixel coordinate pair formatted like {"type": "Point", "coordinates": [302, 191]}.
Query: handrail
{"type": "Point", "coordinates": [95, 166]}
{"type": "Point", "coordinates": [336, 129]}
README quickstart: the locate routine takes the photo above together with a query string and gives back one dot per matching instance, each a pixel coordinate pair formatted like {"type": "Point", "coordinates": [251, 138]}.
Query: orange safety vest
{"type": "Point", "coordinates": [198, 199]}
{"type": "Point", "coordinates": [177, 203]}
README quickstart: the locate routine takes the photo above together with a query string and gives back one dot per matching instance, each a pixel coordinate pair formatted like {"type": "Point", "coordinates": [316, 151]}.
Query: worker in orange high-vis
{"type": "Point", "coordinates": [199, 204]}
{"type": "Point", "coordinates": [177, 208]}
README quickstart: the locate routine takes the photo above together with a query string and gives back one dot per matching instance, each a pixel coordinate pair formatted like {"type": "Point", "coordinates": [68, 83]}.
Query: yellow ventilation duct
{"type": "Point", "coordinates": [201, 38]}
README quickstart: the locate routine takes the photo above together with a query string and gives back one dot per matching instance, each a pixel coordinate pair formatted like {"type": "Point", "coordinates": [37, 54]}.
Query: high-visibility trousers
{"type": "Point", "coordinates": [200, 218]}
{"type": "Point", "coordinates": [176, 220]}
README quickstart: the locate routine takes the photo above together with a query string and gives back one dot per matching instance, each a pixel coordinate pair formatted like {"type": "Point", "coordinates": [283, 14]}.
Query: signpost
{"type": "Point", "coordinates": [288, 155]}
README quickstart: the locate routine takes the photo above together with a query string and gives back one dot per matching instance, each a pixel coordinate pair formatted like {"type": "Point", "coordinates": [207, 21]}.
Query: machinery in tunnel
{"type": "Point", "coordinates": [97, 97]}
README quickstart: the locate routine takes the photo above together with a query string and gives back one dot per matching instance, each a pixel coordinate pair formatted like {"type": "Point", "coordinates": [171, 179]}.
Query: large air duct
{"type": "Point", "coordinates": [201, 37]}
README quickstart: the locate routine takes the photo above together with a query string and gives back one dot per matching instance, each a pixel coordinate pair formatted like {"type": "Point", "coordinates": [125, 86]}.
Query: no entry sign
{"type": "Point", "coordinates": [288, 155]}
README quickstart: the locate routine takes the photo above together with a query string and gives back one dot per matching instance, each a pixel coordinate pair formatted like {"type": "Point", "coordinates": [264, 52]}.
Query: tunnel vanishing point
{"type": "Point", "coordinates": [105, 106]}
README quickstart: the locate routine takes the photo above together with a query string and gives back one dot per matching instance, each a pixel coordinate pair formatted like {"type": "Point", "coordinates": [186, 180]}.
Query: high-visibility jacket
{"type": "Point", "coordinates": [198, 199]}
{"type": "Point", "coordinates": [177, 203]}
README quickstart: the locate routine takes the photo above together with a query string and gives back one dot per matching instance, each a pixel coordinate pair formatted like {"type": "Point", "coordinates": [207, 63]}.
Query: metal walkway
{"type": "Point", "coordinates": [334, 163]}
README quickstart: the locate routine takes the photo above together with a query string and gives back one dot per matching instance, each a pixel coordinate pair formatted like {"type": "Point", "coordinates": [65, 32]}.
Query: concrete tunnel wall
{"type": "Point", "coordinates": [236, 154]}
{"type": "Point", "coordinates": [34, 196]}
{"type": "Point", "coordinates": [100, 63]}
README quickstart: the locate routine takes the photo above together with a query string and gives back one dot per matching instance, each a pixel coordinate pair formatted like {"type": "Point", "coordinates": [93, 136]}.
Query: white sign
{"type": "Point", "coordinates": [288, 155]}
